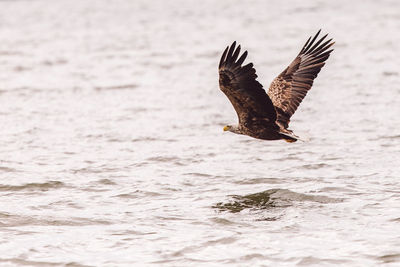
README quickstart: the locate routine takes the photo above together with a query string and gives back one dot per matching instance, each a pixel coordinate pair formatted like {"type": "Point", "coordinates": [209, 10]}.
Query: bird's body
{"type": "Point", "coordinates": [266, 116]}
{"type": "Point", "coordinates": [261, 129]}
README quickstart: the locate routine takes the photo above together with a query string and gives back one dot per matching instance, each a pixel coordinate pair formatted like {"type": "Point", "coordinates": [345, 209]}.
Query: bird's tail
{"type": "Point", "coordinates": [290, 137]}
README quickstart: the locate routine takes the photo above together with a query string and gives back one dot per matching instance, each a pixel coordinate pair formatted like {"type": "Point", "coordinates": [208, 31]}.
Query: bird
{"type": "Point", "coordinates": [264, 115]}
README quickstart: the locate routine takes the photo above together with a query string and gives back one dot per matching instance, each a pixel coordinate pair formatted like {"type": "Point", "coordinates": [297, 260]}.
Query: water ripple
{"type": "Point", "coordinates": [23, 262]}
{"type": "Point", "coordinates": [33, 186]}
{"type": "Point", "coordinates": [271, 198]}
{"type": "Point", "coordinates": [14, 220]}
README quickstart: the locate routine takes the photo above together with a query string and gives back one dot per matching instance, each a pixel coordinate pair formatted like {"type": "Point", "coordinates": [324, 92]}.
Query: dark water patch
{"type": "Point", "coordinates": [287, 195]}
{"type": "Point", "coordinates": [33, 186]}
{"type": "Point", "coordinates": [117, 87]}
{"type": "Point", "coordinates": [259, 181]}
{"type": "Point", "coordinates": [159, 54]}
{"type": "Point", "coordinates": [165, 66]}
{"type": "Point", "coordinates": [236, 261]}
{"type": "Point", "coordinates": [20, 68]}
{"type": "Point", "coordinates": [224, 177]}
{"type": "Point", "coordinates": [144, 139]}
{"type": "Point", "coordinates": [196, 158]}
{"type": "Point", "coordinates": [345, 177]}
{"type": "Point", "coordinates": [116, 140]}
{"type": "Point", "coordinates": [223, 240]}
{"type": "Point", "coordinates": [12, 53]}
{"type": "Point", "coordinates": [7, 169]}
{"type": "Point", "coordinates": [91, 170]}
{"type": "Point", "coordinates": [314, 166]}
{"type": "Point", "coordinates": [162, 159]}
{"type": "Point", "coordinates": [197, 174]}
{"type": "Point", "coordinates": [19, 232]}
{"type": "Point", "coordinates": [390, 73]}
{"type": "Point", "coordinates": [330, 158]}
{"type": "Point", "coordinates": [253, 201]}
{"type": "Point", "coordinates": [153, 139]}
{"type": "Point", "coordinates": [15, 220]}
{"type": "Point", "coordinates": [387, 145]}
{"type": "Point", "coordinates": [395, 219]}
{"type": "Point", "coordinates": [390, 137]}
{"type": "Point", "coordinates": [389, 258]}
{"type": "Point", "coordinates": [136, 110]}
{"type": "Point", "coordinates": [127, 196]}
{"type": "Point", "coordinates": [310, 260]}
{"type": "Point", "coordinates": [222, 221]}
{"type": "Point", "coordinates": [196, 247]}
{"type": "Point", "coordinates": [172, 189]}
{"type": "Point", "coordinates": [5, 215]}
{"type": "Point", "coordinates": [94, 189]}
{"type": "Point", "coordinates": [106, 182]}
{"type": "Point", "coordinates": [86, 170]}
{"type": "Point", "coordinates": [77, 221]}
{"type": "Point", "coordinates": [269, 219]}
{"type": "Point", "coordinates": [170, 218]}
{"type": "Point", "coordinates": [24, 262]}
{"type": "Point", "coordinates": [140, 164]}
{"type": "Point", "coordinates": [23, 90]}
{"type": "Point", "coordinates": [175, 262]}
{"type": "Point", "coordinates": [132, 232]}
{"type": "Point", "coordinates": [289, 157]}
{"type": "Point", "coordinates": [54, 62]}
{"type": "Point", "coordinates": [272, 198]}
{"type": "Point", "coordinates": [386, 138]}
{"type": "Point", "coordinates": [139, 194]}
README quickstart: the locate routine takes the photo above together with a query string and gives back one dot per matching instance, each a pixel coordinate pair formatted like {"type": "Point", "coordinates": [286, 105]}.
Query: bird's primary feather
{"type": "Point", "coordinates": [291, 86]}
{"type": "Point", "coordinates": [241, 87]}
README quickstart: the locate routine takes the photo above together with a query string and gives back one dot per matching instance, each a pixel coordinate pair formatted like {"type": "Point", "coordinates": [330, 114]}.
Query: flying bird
{"type": "Point", "coordinates": [267, 115]}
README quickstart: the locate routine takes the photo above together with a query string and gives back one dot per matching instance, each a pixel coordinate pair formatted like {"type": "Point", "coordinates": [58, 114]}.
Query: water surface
{"type": "Point", "coordinates": [112, 150]}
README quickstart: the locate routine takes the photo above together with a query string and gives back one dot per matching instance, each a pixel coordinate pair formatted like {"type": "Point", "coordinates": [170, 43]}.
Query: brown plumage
{"type": "Point", "coordinates": [266, 116]}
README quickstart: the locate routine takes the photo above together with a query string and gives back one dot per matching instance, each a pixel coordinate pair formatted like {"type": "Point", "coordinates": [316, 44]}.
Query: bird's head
{"type": "Point", "coordinates": [227, 128]}
{"type": "Point", "coordinates": [232, 128]}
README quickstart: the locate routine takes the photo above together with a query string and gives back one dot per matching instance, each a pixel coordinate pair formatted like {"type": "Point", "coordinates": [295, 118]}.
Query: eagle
{"type": "Point", "coordinates": [267, 115]}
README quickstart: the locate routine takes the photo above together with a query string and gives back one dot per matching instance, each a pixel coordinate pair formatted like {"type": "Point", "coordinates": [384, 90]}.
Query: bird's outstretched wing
{"type": "Point", "coordinates": [291, 86]}
{"type": "Point", "coordinates": [241, 87]}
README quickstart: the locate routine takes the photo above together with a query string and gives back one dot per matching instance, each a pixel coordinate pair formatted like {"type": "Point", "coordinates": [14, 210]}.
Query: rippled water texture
{"type": "Point", "coordinates": [112, 150]}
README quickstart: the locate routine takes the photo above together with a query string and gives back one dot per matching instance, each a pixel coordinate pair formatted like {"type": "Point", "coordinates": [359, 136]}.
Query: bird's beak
{"type": "Point", "coordinates": [226, 128]}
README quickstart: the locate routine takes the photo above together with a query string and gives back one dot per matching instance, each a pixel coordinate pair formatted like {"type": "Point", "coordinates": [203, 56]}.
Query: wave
{"type": "Point", "coordinates": [269, 199]}
{"type": "Point", "coordinates": [33, 186]}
